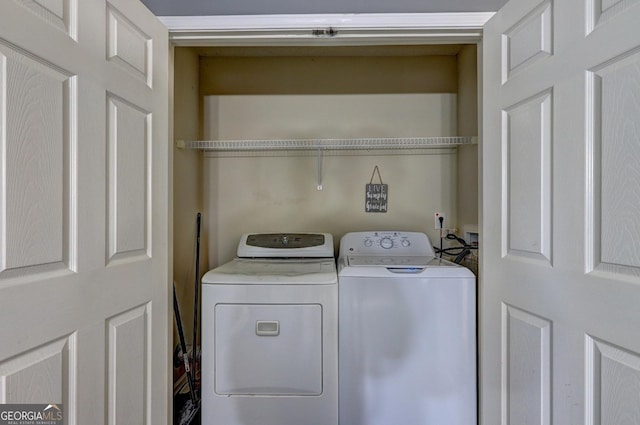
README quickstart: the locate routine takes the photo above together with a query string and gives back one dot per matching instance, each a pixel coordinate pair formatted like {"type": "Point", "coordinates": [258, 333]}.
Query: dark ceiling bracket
{"type": "Point", "coordinates": [324, 32]}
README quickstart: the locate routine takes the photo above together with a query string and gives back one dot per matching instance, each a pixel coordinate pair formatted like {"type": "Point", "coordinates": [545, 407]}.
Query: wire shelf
{"type": "Point", "coordinates": [326, 144]}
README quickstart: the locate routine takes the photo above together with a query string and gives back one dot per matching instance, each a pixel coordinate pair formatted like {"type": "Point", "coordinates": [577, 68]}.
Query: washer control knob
{"type": "Point", "coordinates": [386, 242]}
{"type": "Point", "coordinates": [405, 243]}
{"type": "Point", "coordinates": [368, 242]}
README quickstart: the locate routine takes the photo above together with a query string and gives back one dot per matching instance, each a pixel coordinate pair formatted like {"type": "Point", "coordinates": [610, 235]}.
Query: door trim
{"type": "Point", "coordinates": [326, 29]}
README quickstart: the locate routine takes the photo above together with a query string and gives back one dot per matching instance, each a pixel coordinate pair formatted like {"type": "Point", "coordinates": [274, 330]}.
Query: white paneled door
{"type": "Point", "coordinates": [84, 285]}
{"type": "Point", "coordinates": [560, 286]}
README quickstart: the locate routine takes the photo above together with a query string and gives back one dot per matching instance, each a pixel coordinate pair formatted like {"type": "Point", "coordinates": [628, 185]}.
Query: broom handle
{"type": "Point", "coordinates": [183, 345]}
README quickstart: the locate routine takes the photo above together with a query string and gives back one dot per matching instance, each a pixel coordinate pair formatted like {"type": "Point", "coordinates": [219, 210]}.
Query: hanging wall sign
{"type": "Point", "coordinates": [376, 195]}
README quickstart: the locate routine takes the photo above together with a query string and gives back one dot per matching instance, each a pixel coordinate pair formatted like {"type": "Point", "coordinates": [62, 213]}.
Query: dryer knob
{"type": "Point", "coordinates": [368, 242]}
{"type": "Point", "coordinates": [386, 243]}
{"type": "Point", "coordinates": [405, 243]}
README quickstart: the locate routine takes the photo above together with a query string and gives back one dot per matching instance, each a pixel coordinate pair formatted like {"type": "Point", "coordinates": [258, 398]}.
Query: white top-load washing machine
{"type": "Point", "coordinates": [269, 333]}
{"type": "Point", "coordinates": [407, 333]}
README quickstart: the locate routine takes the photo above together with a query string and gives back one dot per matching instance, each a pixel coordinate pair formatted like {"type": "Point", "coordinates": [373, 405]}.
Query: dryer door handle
{"type": "Point", "coordinates": [267, 327]}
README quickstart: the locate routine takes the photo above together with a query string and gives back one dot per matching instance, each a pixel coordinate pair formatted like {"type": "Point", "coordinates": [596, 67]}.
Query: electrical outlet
{"type": "Point", "coordinates": [437, 217]}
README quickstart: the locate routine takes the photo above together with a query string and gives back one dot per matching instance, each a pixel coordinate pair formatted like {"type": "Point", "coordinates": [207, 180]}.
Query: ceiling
{"type": "Point", "coordinates": [276, 7]}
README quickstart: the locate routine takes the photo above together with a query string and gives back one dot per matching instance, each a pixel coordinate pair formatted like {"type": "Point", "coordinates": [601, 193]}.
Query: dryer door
{"type": "Point", "coordinates": [268, 349]}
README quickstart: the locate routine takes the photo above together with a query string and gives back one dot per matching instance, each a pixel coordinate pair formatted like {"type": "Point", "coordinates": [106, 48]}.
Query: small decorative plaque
{"type": "Point", "coordinates": [376, 195]}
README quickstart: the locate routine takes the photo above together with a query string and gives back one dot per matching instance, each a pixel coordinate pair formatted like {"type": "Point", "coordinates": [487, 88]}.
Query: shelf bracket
{"type": "Point", "coordinates": [319, 168]}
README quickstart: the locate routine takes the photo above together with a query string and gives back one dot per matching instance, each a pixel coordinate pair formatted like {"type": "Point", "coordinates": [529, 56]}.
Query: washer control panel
{"type": "Point", "coordinates": [388, 243]}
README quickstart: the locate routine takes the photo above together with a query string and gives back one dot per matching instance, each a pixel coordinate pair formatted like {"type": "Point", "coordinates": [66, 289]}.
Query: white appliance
{"type": "Point", "coordinates": [407, 333]}
{"type": "Point", "coordinates": [270, 333]}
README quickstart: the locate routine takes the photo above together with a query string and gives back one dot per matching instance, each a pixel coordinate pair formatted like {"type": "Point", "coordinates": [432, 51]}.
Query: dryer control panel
{"type": "Point", "coordinates": [285, 245]}
{"type": "Point", "coordinates": [387, 243]}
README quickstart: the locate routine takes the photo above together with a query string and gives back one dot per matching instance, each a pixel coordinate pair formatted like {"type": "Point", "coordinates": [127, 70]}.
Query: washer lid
{"type": "Point", "coordinates": [402, 267]}
{"type": "Point", "coordinates": [242, 271]}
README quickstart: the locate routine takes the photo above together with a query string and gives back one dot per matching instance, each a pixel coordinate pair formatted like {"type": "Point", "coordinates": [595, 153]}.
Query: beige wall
{"type": "Point", "coordinates": [187, 184]}
{"type": "Point", "coordinates": [329, 116]}
{"type": "Point", "coordinates": [277, 192]}
{"type": "Point", "coordinates": [467, 188]}
{"type": "Point", "coordinates": [328, 75]}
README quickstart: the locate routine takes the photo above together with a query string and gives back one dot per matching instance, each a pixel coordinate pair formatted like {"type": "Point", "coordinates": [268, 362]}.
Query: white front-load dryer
{"type": "Point", "coordinates": [407, 333]}
{"type": "Point", "coordinates": [269, 333]}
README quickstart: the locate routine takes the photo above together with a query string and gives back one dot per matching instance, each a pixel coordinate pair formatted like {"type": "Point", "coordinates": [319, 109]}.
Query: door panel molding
{"type": "Point", "coordinates": [45, 374]}
{"type": "Point", "coordinates": [527, 167]}
{"type": "Point", "coordinates": [599, 12]}
{"type": "Point", "coordinates": [38, 102]}
{"type": "Point", "coordinates": [129, 46]}
{"type": "Point", "coordinates": [528, 41]}
{"type": "Point", "coordinates": [613, 173]}
{"type": "Point", "coordinates": [613, 383]}
{"type": "Point", "coordinates": [128, 174]}
{"type": "Point", "coordinates": [527, 365]}
{"type": "Point", "coordinates": [60, 14]}
{"type": "Point", "coordinates": [129, 367]}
